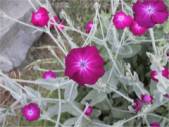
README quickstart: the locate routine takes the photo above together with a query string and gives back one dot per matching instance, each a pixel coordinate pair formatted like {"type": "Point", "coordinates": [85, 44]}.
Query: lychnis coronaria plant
{"type": "Point", "coordinates": [111, 72]}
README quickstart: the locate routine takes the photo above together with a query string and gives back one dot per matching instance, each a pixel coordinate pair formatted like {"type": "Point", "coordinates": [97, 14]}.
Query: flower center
{"type": "Point", "coordinates": [83, 64]}
{"type": "Point", "coordinates": [30, 112]}
{"type": "Point", "coordinates": [121, 18]}
{"type": "Point", "coordinates": [38, 16]}
{"type": "Point", "coordinates": [150, 10]}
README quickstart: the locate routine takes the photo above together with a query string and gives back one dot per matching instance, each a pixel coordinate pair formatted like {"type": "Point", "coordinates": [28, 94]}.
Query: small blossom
{"type": "Point", "coordinates": [40, 17]}
{"type": "Point", "coordinates": [84, 65]}
{"type": "Point", "coordinates": [153, 75]}
{"type": "Point", "coordinates": [89, 111]}
{"type": "Point", "coordinates": [154, 124]}
{"type": "Point", "coordinates": [150, 12]}
{"type": "Point", "coordinates": [137, 30]}
{"type": "Point", "coordinates": [31, 112]}
{"type": "Point", "coordinates": [164, 73]}
{"type": "Point", "coordinates": [89, 26]}
{"type": "Point", "coordinates": [57, 20]}
{"type": "Point", "coordinates": [147, 99]}
{"type": "Point", "coordinates": [122, 20]}
{"type": "Point", "coordinates": [49, 75]}
{"type": "Point", "coordinates": [137, 105]}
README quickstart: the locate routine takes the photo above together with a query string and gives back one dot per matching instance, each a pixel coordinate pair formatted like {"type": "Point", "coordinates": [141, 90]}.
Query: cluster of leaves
{"type": "Point", "coordinates": [128, 62]}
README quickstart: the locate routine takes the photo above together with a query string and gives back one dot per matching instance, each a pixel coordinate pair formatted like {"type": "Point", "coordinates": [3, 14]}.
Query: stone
{"type": "Point", "coordinates": [15, 39]}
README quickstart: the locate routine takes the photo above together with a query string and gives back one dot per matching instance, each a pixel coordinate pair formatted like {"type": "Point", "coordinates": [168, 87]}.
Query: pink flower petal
{"type": "Point", "coordinates": [160, 17]}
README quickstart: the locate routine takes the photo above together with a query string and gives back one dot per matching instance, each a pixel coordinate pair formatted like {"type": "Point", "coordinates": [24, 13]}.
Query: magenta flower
{"type": "Point", "coordinates": [153, 75]}
{"type": "Point", "coordinates": [40, 17]}
{"type": "Point", "coordinates": [57, 20]}
{"type": "Point", "coordinates": [150, 12]}
{"type": "Point", "coordinates": [49, 75]}
{"type": "Point", "coordinates": [137, 30]}
{"type": "Point", "coordinates": [89, 26]}
{"type": "Point", "coordinates": [137, 105]}
{"type": "Point", "coordinates": [164, 72]}
{"type": "Point", "coordinates": [31, 112]}
{"type": "Point", "coordinates": [84, 65]}
{"type": "Point", "coordinates": [89, 111]}
{"type": "Point", "coordinates": [154, 124]}
{"type": "Point", "coordinates": [147, 99]}
{"type": "Point", "coordinates": [122, 20]}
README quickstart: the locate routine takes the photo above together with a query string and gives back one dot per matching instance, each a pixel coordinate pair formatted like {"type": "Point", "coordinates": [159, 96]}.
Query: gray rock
{"type": "Point", "coordinates": [15, 39]}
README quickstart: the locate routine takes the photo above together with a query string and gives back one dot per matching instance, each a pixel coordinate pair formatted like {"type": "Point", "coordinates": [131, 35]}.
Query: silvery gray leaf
{"type": "Point", "coordinates": [66, 107]}
{"type": "Point", "coordinates": [70, 92]}
{"type": "Point", "coordinates": [70, 122]}
{"type": "Point", "coordinates": [94, 97]}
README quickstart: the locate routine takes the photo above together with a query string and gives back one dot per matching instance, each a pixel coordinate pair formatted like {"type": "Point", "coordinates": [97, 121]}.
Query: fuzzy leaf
{"type": "Point", "coordinates": [94, 97]}
{"type": "Point", "coordinates": [70, 92]}
{"type": "Point", "coordinates": [70, 122]}
{"type": "Point", "coordinates": [54, 110]}
{"type": "Point", "coordinates": [53, 84]}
